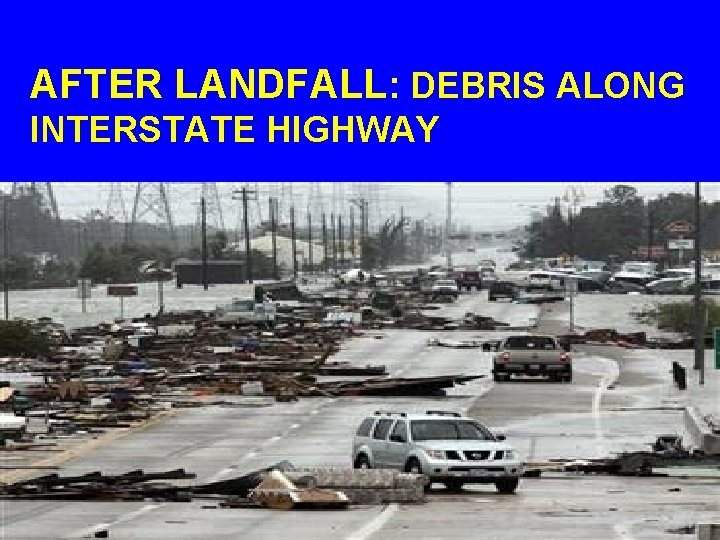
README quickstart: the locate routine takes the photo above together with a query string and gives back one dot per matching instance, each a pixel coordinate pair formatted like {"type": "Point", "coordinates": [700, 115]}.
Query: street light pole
{"type": "Point", "coordinates": [293, 242]}
{"type": "Point", "coordinates": [273, 235]}
{"type": "Point", "coordinates": [448, 224]}
{"type": "Point", "coordinates": [6, 250]}
{"type": "Point", "coordinates": [244, 192]}
{"type": "Point", "coordinates": [203, 242]}
{"type": "Point", "coordinates": [697, 298]}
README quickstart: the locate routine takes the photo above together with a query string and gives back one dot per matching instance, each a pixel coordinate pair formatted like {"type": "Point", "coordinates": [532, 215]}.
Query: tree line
{"type": "Point", "coordinates": [620, 226]}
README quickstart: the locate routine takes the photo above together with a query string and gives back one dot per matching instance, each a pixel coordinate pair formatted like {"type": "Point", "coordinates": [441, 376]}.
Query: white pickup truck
{"type": "Point", "coordinates": [532, 355]}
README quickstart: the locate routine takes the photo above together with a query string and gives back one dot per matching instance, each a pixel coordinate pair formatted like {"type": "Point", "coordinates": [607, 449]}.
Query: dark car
{"type": "Point", "coordinates": [502, 289]}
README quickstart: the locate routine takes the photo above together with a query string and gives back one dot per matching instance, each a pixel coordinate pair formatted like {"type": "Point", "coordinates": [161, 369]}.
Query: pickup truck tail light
{"type": "Point", "coordinates": [565, 357]}
{"type": "Point", "coordinates": [505, 356]}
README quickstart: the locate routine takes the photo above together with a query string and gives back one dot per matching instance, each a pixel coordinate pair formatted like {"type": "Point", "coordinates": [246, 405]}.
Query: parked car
{"type": "Point", "coordinates": [532, 355]}
{"type": "Point", "coordinates": [445, 287]}
{"type": "Point", "coordinates": [468, 279]}
{"type": "Point", "coordinates": [675, 285]}
{"type": "Point", "coordinates": [443, 445]}
{"type": "Point", "coordinates": [502, 289]}
{"type": "Point", "coordinates": [618, 286]}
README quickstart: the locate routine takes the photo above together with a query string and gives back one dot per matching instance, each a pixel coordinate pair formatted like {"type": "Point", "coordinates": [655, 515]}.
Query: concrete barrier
{"type": "Point", "coordinates": [708, 531]}
{"type": "Point", "coordinates": [364, 486]}
{"type": "Point", "coordinates": [701, 435]}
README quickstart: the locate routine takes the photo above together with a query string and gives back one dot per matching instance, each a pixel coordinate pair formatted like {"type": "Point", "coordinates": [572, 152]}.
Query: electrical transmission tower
{"type": "Point", "coordinates": [43, 190]}
{"type": "Point", "coordinates": [213, 209]}
{"type": "Point", "coordinates": [152, 199]}
{"type": "Point", "coordinates": [315, 200]}
{"type": "Point", "coordinates": [116, 209]}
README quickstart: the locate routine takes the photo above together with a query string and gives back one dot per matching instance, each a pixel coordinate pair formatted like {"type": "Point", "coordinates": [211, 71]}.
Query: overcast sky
{"type": "Point", "coordinates": [485, 205]}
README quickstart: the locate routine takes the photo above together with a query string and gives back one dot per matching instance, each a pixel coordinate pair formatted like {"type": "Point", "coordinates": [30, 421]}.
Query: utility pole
{"type": "Point", "coordinates": [325, 245]}
{"type": "Point", "coordinates": [273, 234]}
{"type": "Point", "coordinates": [697, 299]}
{"type": "Point", "coordinates": [352, 235]}
{"type": "Point", "coordinates": [334, 244]}
{"type": "Point", "coordinates": [293, 242]}
{"type": "Point", "coordinates": [203, 242]}
{"type": "Point", "coordinates": [448, 224]}
{"type": "Point", "coordinates": [341, 242]}
{"type": "Point", "coordinates": [309, 240]}
{"type": "Point", "coordinates": [651, 226]}
{"type": "Point", "coordinates": [571, 239]}
{"type": "Point", "coordinates": [362, 204]}
{"type": "Point", "coordinates": [402, 235]}
{"type": "Point", "coordinates": [161, 295]}
{"type": "Point", "coordinates": [6, 254]}
{"type": "Point", "coordinates": [244, 192]}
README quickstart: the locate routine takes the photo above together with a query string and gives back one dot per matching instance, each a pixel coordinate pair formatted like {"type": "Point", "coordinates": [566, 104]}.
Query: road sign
{"type": "Point", "coordinates": [656, 252]}
{"type": "Point", "coordinates": [84, 288]}
{"type": "Point", "coordinates": [679, 227]}
{"type": "Point", "coordinates": [716, 341]}
{"type": "Point", "coordinates": [122, 290]}
{"type": "Point", "coordinates": [681, 243]}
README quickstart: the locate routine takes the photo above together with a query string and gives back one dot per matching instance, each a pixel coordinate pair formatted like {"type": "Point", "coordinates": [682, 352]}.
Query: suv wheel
{"type": "Point", "coordinates": [362, 462]}
{"type": "Point", "coordinates": [413, 466]}
{"type": "Point", "coordinates": [507, 485]}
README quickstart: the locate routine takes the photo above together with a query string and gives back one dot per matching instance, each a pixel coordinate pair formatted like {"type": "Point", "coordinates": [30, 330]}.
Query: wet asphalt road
{"type": "Point", "coordinates": [543, 420]}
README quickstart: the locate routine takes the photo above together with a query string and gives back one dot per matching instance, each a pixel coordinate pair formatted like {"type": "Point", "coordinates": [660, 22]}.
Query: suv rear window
{"type": "Point", "coordinates": [530, 342]}
{"type": "Point", "coordinates": [365, 427]}
{"type": "Point", "coordinates": [382, 428]}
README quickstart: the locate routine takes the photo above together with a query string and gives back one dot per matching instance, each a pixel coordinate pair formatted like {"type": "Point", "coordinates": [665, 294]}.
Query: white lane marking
{"type": "Point", "coordinates": [375, 524]}
{"type": "Point", "coordinates": [607, 380]}
{"type": "Point", "coordinates": [314, 411]}
{"type": "Point", "coordinates": [250, 455]}
{"type": "Point", "coordinates": [622, 531]}
{"type": "Point", "coordinates": [273, 439]}
{"type": "Point", "coordinates": [295, 426]}
{"type": "Point", "coordinates": [122, 519]}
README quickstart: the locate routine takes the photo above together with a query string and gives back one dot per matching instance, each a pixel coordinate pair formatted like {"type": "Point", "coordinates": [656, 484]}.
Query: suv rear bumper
{"type": "Point", "coordinates": [532, 369]}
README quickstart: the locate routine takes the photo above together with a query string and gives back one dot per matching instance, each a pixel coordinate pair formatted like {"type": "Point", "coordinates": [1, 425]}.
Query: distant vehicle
{"type": "Point", "coordinates": [469, 279]}
{"type": "Point", "coordinates": [624, 287]}
{"type": "Point", "coordinates": [670, 285]}
{"type": "Point", "coordinates": [487, 277]}
{"type": "Point", "coordinates": [534, 356]}
{"type": "Point", "coordinates": [445, 446]}
{"type": "Point", "coordinates": [445, 287]}
{"type": "Point", "coordinates": [502, 289]}
{"type": "Point", "coordinates": [636, 278]}
{"type": "Point", "coordinates": [12, 427]}
{"type": "Point", "coordinates": [684, 273]}
{"type": "Point", "coordinates": [486, 262]}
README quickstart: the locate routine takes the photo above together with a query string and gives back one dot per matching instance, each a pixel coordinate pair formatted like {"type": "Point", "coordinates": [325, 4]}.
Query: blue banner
{"type": "Point", "coordinates": [565, 91]}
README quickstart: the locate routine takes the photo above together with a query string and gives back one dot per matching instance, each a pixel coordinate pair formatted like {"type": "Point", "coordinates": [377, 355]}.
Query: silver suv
{"type": "Point", "coordinates": [443, 445]}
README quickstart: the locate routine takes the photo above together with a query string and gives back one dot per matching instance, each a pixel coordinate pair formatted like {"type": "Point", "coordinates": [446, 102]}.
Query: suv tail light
{"type": "Point", "coordinates": [505, 356]}
{"type": "Point", "coordinates": [565, 357]}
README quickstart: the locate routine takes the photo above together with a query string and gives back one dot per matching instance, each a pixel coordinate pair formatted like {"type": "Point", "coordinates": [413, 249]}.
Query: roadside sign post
{"type": "Point", "coordinates": [121, 291]}
{"type": "Point", "coordinates": [84, 291]}
{"type": "Point", "coordinates": [681, 229]}
{"type": "Point", "coordinates": [571, 286]}
{"type": "Point", "coordinates": [681, 244]}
